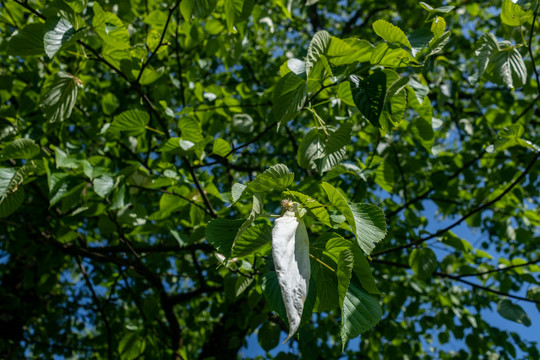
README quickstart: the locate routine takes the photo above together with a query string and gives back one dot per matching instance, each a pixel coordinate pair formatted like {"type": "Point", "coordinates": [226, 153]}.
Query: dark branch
{"type": "Point", "coordinates": [469, 214]}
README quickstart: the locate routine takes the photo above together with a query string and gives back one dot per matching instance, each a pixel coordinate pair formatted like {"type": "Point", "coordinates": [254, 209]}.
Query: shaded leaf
{"type": "Point", "coordinates": [289, 97]}
{"type": "Point", "coordinates": [221, 233]}
{"type": "Point", "coordinates": [28, 41]}
{"type": "Point", "coordinates": [369, 95]}
{"type": "Point", "coordinates": [59, 96]}
{"type": "Point", "coordinates": [423, 262]}
{"type": "Point", "coordinates": [513, 312]}
{"type": "Point", "coordinates": [20, 149]}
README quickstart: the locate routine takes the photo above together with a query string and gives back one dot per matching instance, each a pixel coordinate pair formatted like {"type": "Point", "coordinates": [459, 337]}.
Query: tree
{"type": "Point", "coordinates": [146, 145]}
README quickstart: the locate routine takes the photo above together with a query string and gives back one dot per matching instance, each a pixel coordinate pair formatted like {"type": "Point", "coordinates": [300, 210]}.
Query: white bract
{"type": "Point", "coordinates": [290, 249]}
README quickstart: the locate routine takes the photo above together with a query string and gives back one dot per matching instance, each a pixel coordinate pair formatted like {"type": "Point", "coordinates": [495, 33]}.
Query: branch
{"type": "Point", "coordinates": [145, 64]}
{"type": "Point", "coordinates": [457, 278]}
{"type": "Point", "coordinates": [211, 210]}
{"type": "Point", "coordinates": [352, 21]}
{"type": "Point", "coordinates": [531, 53]}
{"type": "Point", "coordinates": [152, 249]}
{"type": "Point", "coordinates": [469, 214]}
{"type": "Point", "coordinates": [179, 298]}
{"type": "Point", "coordinates": [98, 306]}
{"type": "Point", "coordinates": [532, 262]}
{"type": "Point", "coordinates": [431, 189]}
{"type": "Point", "coordinates": [29, 8]}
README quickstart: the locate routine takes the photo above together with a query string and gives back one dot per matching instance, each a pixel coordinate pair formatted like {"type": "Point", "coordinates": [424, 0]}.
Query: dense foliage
{"type": "Point", "coordinates": [147, 145]}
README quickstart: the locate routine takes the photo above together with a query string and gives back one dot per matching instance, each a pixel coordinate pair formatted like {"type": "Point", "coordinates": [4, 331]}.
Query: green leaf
{"type": "Point", "coordinates": [190, 130]}
{"type": "Point", "coordinates": [134, 121]}
{"type": "Point", "coordinates": [20, 149]}
{"type": "Point", "coordinates": [326, 282]}
{"type": "Point", "coordinates": [221, 147]}
{"type": "Point", "coordinates": [131, 345]}
{"type": "Point", "coordinates": [321, 152]}
{"type": "Point", "coordinates": [268, 335]}
{"type": "Point", "coordinates": [289, 97]}
{"type": "Point", "coordinates": [507, 68]}
{"type": "Point", "coordinates": [58, 33]}
{"type": "Point", "coordinates": [438, 26]}
{"type": "Point", "coordinates": [442, 9]}
{"type": "Point", "coordinates": [63, 160]}
{"type": "Point", "coordinates": [237, 191]}
{"type": "Point", "coordinates": [516, 13]}
{"type": "Point", "coordinates": [276, 177]}
{"type": "Point", "coordinates": [486, 46]}
{"type": "Point", "coordinates": [423, 262]}
{"type": "Point", "coordinates": [221, 233]}
{"type": "Point", "coordinates": [344, 273]}
{"type": "Point", "coordinates": [423, 131]}
{"type": "Point", "coordinates": [366, 221]}
{"type": "Point", "coordinates": [318, 46]}
{"type": "Point", "coordinates": [110, 28]}
{"type": "Point", "coordinates": [255, 239]}
{"type": "Point", "coordinates": [109, 103]}
{"type": "Point", "coordinates": [513, 312]}
{"type": "Point", "coordinates": [313, 206]}
{"type": "Point", "coordinates": [369, 95]}
{"type": "Point", "coordinates": [390, 56]}
{"type": "Point", "coordinates": [439, 44]}
{"type": "Point", "coordinates": [59, 96]}
{"type": "Point", "coordinates": [391, 33]}
{"type": "Point", "coordinates": [103, 185]}
{"type": "Point", "coordinates": [62, 185]}
{"type": "Point", "coordinates": [28, 41]}
{"type": "Point", "coordinates": [360, 312]}
{"type": "Point", "coordinates": [237, 11]}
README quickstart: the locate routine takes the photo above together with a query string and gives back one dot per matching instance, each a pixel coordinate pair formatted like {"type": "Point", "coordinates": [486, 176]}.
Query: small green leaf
{"type": "Point", "coordinates": [103, 185]}
{"type": "Point", "coordinates": [109, 103]}
{"type": "Point", "coordinates": [131, 345]}
{"type": "Point", "coordinates": [59, 96]}
{"type": "Point", "coordinates": [369, 95]}
{"type": "Point", "coordinates": [438, 26]}
{"type": "Point", "coordinates": [221, 147]}
{"type": "Point", "coordinates": [391, 33]}
{"type": "Point", "coordinates": [423, 262]}
{"type": "Point", "coordinates": [134, 121]}
{"type": "Point", "coordinates": [190, 130]}
{"type": "Point", "coordinates": [516, 13]}
{"type": "Point", "coordinates": [486, 46]}
{"type": "Point", "coordinates": [360, 312]}
{"type": "Point", "coordinates": [289, 97]}
{"type": "Point", "coordinates": [442, 9]}
{"type": "Point", "coordinates": [197, 8]}
{"type": "Point", "coordinates": [20, 149]}
{"type": "Point", "coordinates": [513, 312]}
{"type": "Point", "coordinates": [28, 41]}
{"type": "Point", "coordinates": [366, 221]}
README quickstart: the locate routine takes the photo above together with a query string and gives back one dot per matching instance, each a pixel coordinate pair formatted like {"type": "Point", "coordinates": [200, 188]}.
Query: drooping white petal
{"type": "Point", "coordinates": [290, 250]}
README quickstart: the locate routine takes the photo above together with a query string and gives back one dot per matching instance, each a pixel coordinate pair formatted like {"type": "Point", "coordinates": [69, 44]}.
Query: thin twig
{"type": "Point", "coordinates": [466, 216]}
{"type": "Point", "coordinates": [98, 306]}
{"type": "Point", "coordinates": [145, 64]}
